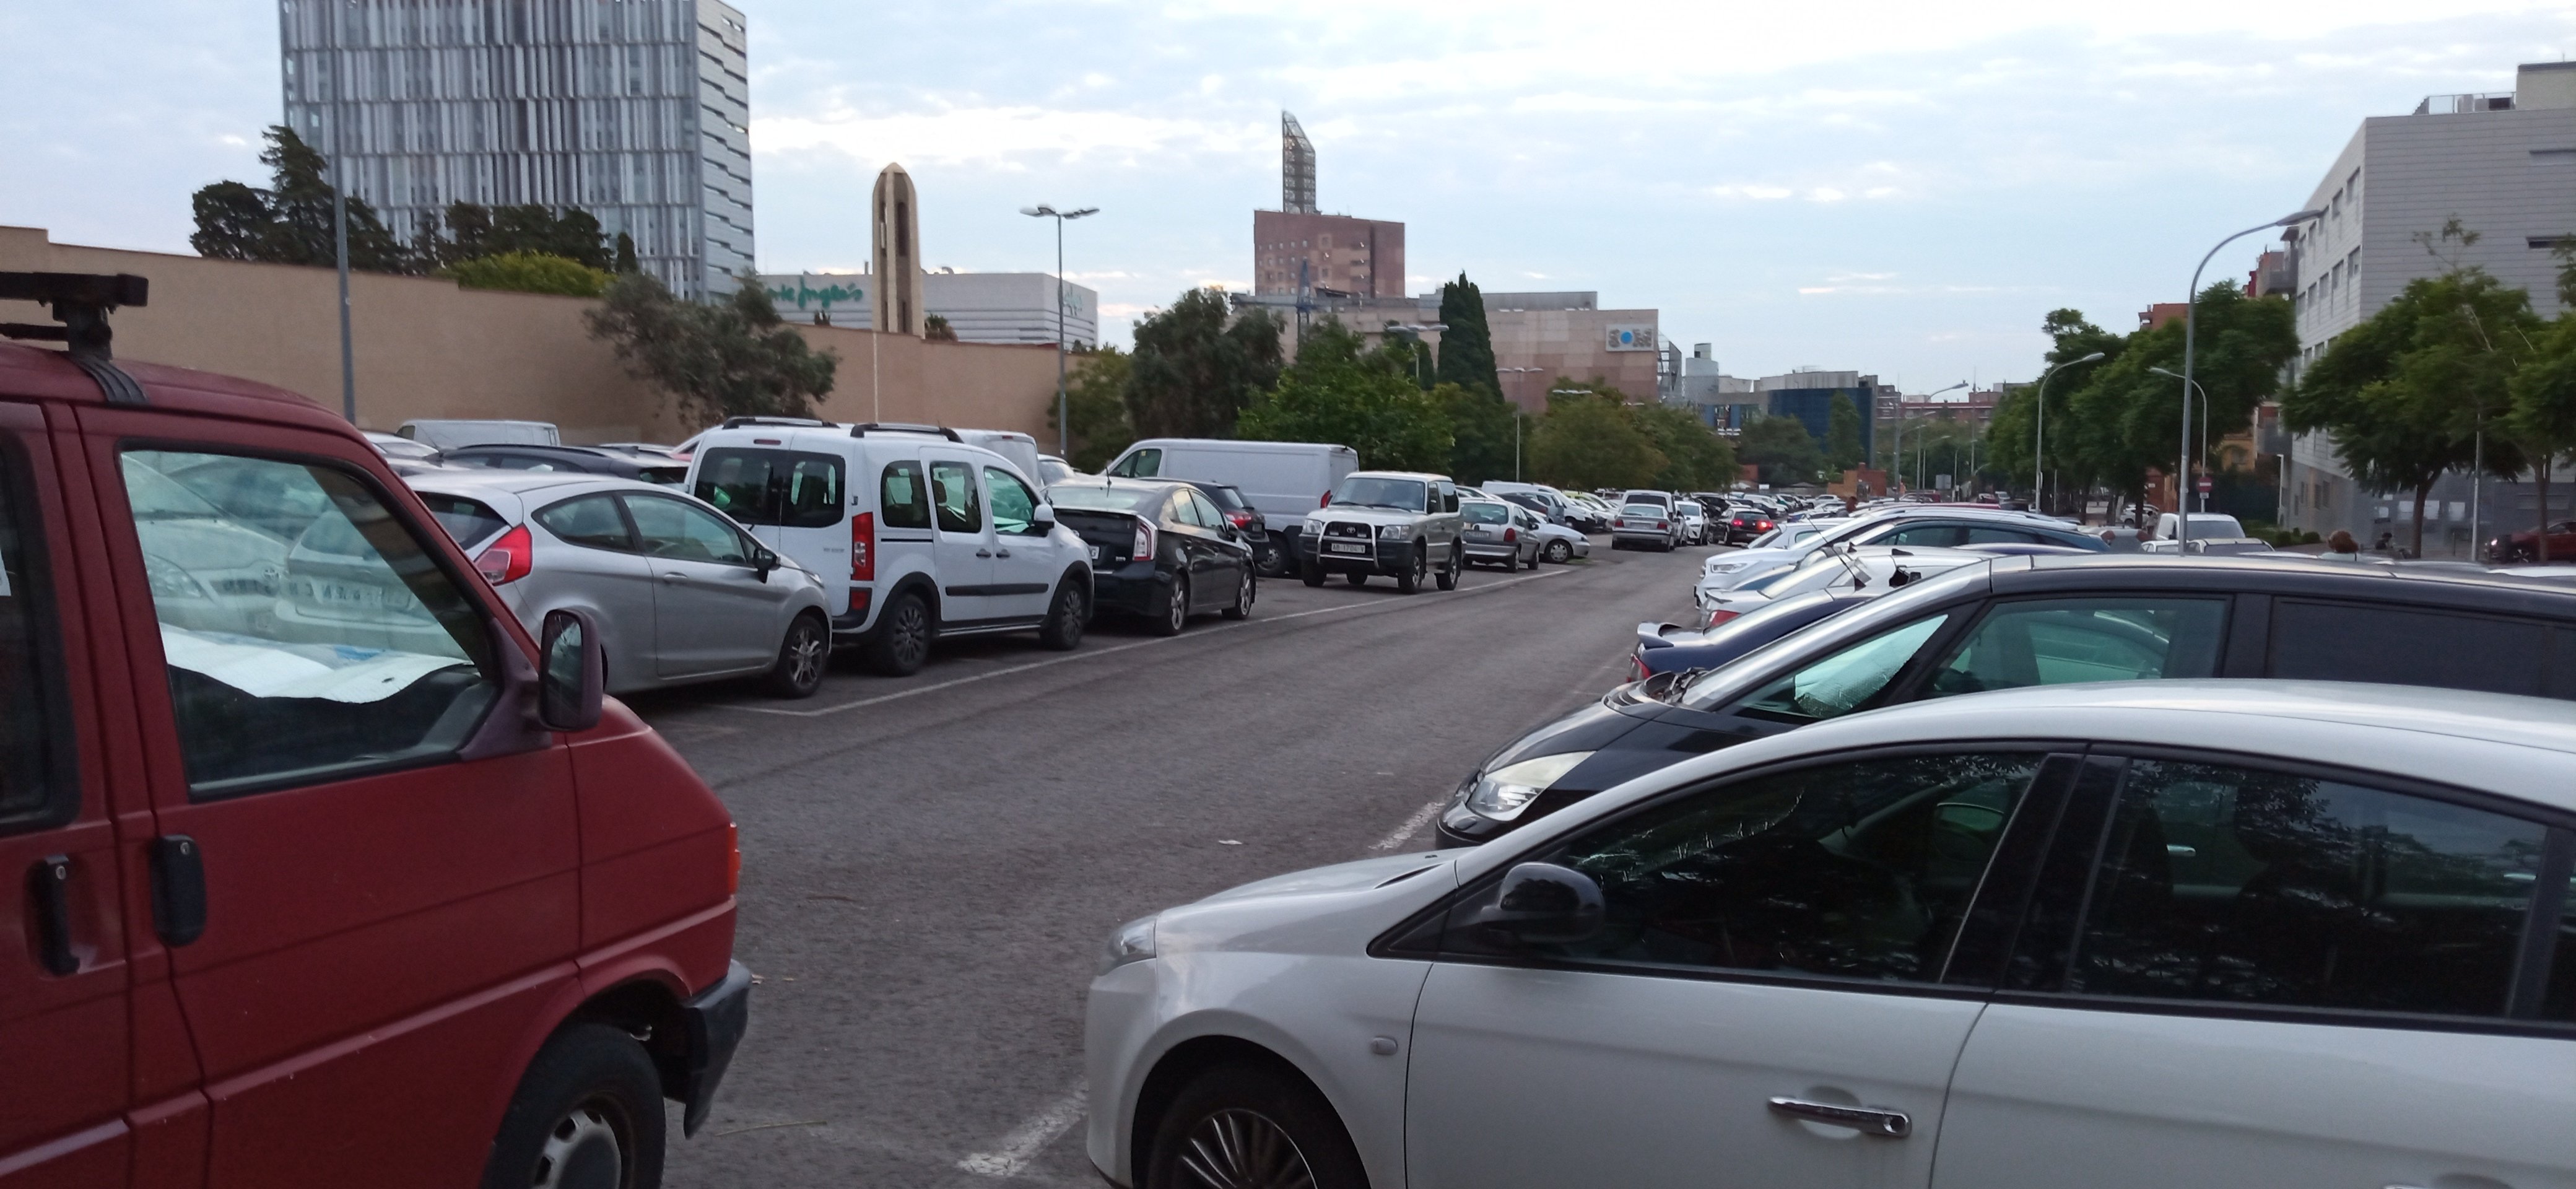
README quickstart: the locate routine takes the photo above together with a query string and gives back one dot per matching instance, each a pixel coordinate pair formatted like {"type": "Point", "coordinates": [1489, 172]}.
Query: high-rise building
{"type": "Point", "coordinates": [1298, 251]}
{"type": "Point", "coordinates": [638, 112]}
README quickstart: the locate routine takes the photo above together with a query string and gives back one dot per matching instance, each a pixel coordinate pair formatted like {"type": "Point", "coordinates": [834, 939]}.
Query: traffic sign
{"type": "Point", "coordinates": [2203, 485]}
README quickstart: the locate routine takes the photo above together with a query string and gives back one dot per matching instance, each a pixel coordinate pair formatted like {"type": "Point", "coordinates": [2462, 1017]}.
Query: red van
{"type": "Point", "coordinates": [316, 869]}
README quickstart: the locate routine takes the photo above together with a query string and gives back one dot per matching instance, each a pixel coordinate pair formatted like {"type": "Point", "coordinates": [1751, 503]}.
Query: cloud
{"type": "Point", "coordinates": [1008, 136]}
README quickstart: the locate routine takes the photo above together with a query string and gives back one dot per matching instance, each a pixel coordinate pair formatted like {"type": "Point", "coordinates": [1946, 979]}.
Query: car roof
{"type": "Point", "coordinates": [2287, 573]}
{"type": "Point", "coordinates": [521, 483]}
{"type": "Point", "coordinates": [1120, 482]}
{"type": "Point", "coordinates": [51, 375]}
{"type": "Point", "coordinates": [1424, 476]}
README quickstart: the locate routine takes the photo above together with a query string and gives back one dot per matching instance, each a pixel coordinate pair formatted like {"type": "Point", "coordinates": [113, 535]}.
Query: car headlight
{"type": "Point", "coordinates": [1133, 942]}
{"type": "Point", "coordinates": [1315, 528]}
{"type": "Point", "coordinates": [1504, 792]}
{"type": "Point", "coordinates": [1393, 531]}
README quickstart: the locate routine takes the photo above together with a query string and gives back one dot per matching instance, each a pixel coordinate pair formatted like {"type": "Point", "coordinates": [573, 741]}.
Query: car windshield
{"type": "Point", "coordinates": [1103, 498]}
{"type": "Point", "coordinates": [1773, 658]}
{"type": "Point", "coordinates": [1479, 513]}
{"type": "Point", "coordinates": [1376, 491]}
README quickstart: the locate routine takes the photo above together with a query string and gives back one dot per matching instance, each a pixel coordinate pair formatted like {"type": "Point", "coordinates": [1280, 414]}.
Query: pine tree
{"type": "Point", "coordinates": [291, 221]}
{"type": "Point", "coordinates": [1467, 347]}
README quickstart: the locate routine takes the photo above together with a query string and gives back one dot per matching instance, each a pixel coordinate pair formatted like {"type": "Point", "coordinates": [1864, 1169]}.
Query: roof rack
{"type": "Point", "coordinates": [80, 302]}
{"type": "Point", "coordinates": [739, 422]}
{"type": "Point", "coordinates": [865, 428]}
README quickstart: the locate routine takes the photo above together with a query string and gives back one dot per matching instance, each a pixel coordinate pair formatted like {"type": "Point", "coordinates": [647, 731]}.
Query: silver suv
{"type": "Point", "coordinates": [1403, 523]}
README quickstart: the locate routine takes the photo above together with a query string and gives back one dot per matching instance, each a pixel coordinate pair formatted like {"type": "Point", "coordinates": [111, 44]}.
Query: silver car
{"type": "Point", "coordinates": [1499, 533]}
{"type": "Point", "coordinates": [681, 593]}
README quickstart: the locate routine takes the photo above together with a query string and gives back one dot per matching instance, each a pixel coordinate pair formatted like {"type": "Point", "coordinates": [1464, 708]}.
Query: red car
{"type": "Point", "coordinates": [315, 869]}
{"type": "Point", "coordinates": [2525, 546]}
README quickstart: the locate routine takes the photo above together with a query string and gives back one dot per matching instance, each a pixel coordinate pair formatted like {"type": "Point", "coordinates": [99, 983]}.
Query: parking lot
{"type": "Point", "coordinates": [931, 863]}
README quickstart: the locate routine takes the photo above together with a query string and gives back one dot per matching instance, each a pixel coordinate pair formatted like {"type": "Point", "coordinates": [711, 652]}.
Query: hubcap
{"type": "Point", "coordinates": [582, 1152]}
{"type": "Point", "coordinates": [1239, 1149]}
{"type": "Point", "coordinates": [805, 656]}
{"type": "Point", "coordinates": [1243, 596]}
{"type": "Point", "coordinates": [911, 632]}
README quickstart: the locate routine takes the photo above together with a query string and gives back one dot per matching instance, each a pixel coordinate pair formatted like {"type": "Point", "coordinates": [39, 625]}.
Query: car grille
{"type": "Point", "coordinates": [1342, 528]}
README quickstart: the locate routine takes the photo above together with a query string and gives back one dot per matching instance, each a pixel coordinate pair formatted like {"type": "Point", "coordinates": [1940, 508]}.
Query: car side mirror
{"type": "Point", "coordinates": [573, 678]}
{"type": "Point", "coordinates": [1543, 903]}
{"type": "Point", "coordinates": [1229, 532]}
{"type": "Point", "coordinates": [1044, 518]}
{"type": "Point", "coordinates": [762, 563]}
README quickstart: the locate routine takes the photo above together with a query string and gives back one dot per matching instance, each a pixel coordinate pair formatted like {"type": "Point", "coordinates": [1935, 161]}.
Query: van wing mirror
{"type": "Point", "coordinates": [573, 675]}
{"type": "Point", "coordinates": [1044, 517]}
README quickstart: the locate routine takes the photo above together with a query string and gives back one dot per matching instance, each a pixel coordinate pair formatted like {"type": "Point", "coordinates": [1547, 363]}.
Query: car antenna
{"type": "Point", "coordinates": [1843, 554]}
{"type": "Point", "coordinates": [80, 302]}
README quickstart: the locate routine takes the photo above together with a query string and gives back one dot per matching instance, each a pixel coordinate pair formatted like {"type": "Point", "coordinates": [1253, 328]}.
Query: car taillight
{"type": "Point", "coordinates": [863, 547]}
{"type": "Point", "coordinates": [1239, 518]}
{"type": "Point", "coordinates": [1663, 524]}
{"type": "Point", "coordinates": [1721, 615]}
{"type": "Point", "coordinates": [506, 560]}
{"type": "Point", "coordinates": [1510, 535]}
{"type": "Point", "coordinates": [1144, 547]}
{"type": "Point", "coordinates": [1642, 671]}
{"type": "Point", "coordinates": [733, 858]}
{"type": "Point", "coordinates": [1761, 526]}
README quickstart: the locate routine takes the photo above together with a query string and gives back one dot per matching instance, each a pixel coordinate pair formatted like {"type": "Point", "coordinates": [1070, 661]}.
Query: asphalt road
{"type": "Point", "coordinates": [930, 864]}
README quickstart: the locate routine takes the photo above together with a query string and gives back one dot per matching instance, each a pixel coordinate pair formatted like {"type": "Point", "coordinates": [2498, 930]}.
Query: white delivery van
{"type": "Point", "coordinates": [1020, 448]}
{"type": "Point", "coordinates": [1282, 480]}
{"type": "Point", "coordinates": [917, 533]}
{"type": "Point", "coordinates": [452, 435]}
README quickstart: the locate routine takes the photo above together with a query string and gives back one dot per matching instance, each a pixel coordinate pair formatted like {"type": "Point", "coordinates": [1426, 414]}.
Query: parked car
{"type": "Point", "coordinates": [398, 449]}
{"type": "Point", "coordinates": [1053, 470]}
{"type": "Point", "coordinates": [649, 451]}
{"type": "Point", "coordinates": [1020, 448]}
{"type": "Point", "coordinates": [1562, 543]}
{"type": "Point", "coordinates": [448, 434]}
{"type": "Point", "coordinates": [1162, 551]}
{"type": "Point", "coordinates": [1861, 567]}
{"type": "Point", "coordinates": [1268, 556]}
{"type": "Point", "coordinates": [1746, 522]}
{"type": "Point", "coordinates": [1499, 533]}
{"type": "Point", "coordinates": [1646, 526]}
{"type": "Point", "coordinates": [681, 593]}
{"type": "Point", "coordinates": [1403, 523]}
{"type": "Point", "coordinates": [2207, 932]}
{"type": "Point", "coordinates": [1694, 520]}
{"type": "Point", "coordinates": [2204, 525]}
{"type": "Point", "coordinates": [587, 460]}
{"type": "Point", "coordinates": [1282, 480]}
{"type": "Point", "coordinates": [2044, 621]}
{"type": "Point", "coordinates": [1908, 526]}
{"type": "Point", "coordinates": [917, 535]}
{"type": "Point", "coordinates": [1675, 648]}
{"type": "Point", "coordinates": [382, 893]}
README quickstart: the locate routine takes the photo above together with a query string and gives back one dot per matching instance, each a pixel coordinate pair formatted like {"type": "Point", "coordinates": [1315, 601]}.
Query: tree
{"type": "Point", "coordinates": [1467, 347]}
{"type": "Point", "coordinates": [1695, 458]}
{"type": "Point", "coordinates": [1095, 398]}
{"type": "Point", "coordinates": [531, 272]}
{"type": "Point", "coordinates": [1192, 373]}
{"type": "Point", "coordinates": [291, 221]}
{"type": "Point", "coordinates": [625, 253]}
{"type": "Point", "coordinates": [936, 329]}
{"type": "Point", "coordinates": [1782, 448]}
{"type": "Point", "coordinates": [1339, 391]}
{"type": "Point", "coordinates": [1588, 440]}
{"type": "Point", "coordinates": [474, 231]}
{"type": "Point", "coordinates": [729, 359]}
{"type": "Point", "coordinates": [2544, 390]}
{"type": "Point", "coordinates": [1481, 425]}
{"type": "Point", "coordinates": [1842, 435]}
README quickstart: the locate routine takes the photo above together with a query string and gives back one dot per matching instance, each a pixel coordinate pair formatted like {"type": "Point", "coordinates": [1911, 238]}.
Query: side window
{"type": "Point", "coordinates": [1184, 509]}
{"type": "Point", "coordinates": [34, 734]}
{"type": "Point", "coordinates": [1015, 507]}
{"type": "Point", "coordinates": [793, 488]}
{"type": "Point", "coordinates": [902, 500]}
{"type": "Point", "coordinates": [1858, 870]}
{"type": "Point", "coordinates": [812, 492]}
{"type": "Point", "coordinates": [2405, 646]}
{"type": "Point", "coordinates": [736, 482]}
{"type": "Point", "coordinates": [685, 532]}
{"type": "Point", "coordinates": [1987, 534]}
{"type": "Point", "coordinates": [1143, 464]}
{"type": "Point", "coordinates": [1204, 511]}
{"type": "Point", "coordinates": [2063, 641]}
{"type": "Point", "coordinates": [1445, 499]}
{"type": "Point", "coordinates": [294, 661]}
{"type": "Point", "coordinates": [591, 520]}
{"type": "Point", "coordinates": [952, 492]}
{"type": "Point", "coordinates": [2232, 885]}
{"type": "Point", "coordinates": [1843, 682]}
{"type": "Point", "coordinates": [1925, 536]}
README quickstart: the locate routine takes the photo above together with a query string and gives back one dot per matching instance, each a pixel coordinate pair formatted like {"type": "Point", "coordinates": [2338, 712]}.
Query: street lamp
{"type": "Point", "coordinates": [2203, 390]}
{"type": "Point", "coordinates": [2038, 433]}
{"type": "Point", "coordinates": [1517, 414]}
{"type": "Point", "coordinates": [1417, 330]}
{"type": "Point", "coordinates": [1063, 416]}
{"type": "Point", "coordinates": [2190, 316]}
{"type": "Point", "coordinates": [1896, 454]}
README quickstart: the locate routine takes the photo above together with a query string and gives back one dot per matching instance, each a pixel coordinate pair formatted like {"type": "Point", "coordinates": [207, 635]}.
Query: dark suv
{"type": "Point", "coordinates": [2046, 621]}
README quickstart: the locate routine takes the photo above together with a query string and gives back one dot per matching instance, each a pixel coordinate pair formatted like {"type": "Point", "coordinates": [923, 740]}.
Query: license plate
{"type": "Point", "coordinates": [1095, 553]}
{"type": "Point", "coordinates": [1480, 532]}
{"type": "Point", "coordinates": [1349, 547]}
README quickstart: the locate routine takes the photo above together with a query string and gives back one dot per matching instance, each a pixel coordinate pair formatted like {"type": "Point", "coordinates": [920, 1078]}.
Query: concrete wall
{"type": "Point", "coordinates": [426, 348]}
{"type": "Point", "coordinates": [1571, 344]}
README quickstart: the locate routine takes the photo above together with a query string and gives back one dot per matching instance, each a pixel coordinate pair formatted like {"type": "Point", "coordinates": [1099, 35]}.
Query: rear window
{"type": "Point", "coordinates": [1105, 499]}
{"type": "Point", "coordinates": [788, 488]}
{"type": "Point", "coordinates": [1224, 496]}
{"type": "Point", "coordinates": [2406, 646]}
{"type": "Point", "coordinates": [1484, 513]}
{"type": "Point", "coordinates": [1643, 510]}
{"type": "Point", "coordinates": [467, 521]}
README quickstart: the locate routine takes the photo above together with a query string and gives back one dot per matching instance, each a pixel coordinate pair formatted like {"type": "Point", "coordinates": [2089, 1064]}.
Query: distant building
{"type": "Point", "coordinates": [1721, 401]}
{"type": "Point", "coordinates": [1297, 249]}
{"type": "Point", "coordinates": [2156, 316]}
{"type": "Point", "coordinates": [1809, 395]}
{"type": "Point", "coordinates": [982, 307]}
{"type": "Point", "coordinates": [637, 112]}
{"type": "Point", "coordinates": [894, 239]}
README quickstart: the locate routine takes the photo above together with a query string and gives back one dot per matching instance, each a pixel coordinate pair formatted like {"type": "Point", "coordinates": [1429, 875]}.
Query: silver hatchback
{"type": "Point", "coordinates": [681, 593]}
{"type": "Point", "coordinates": [1497, 532]}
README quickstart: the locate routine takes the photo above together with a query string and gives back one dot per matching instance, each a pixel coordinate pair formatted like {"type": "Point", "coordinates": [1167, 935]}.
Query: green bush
{"type": "Point", "coordinates": [530, 272]}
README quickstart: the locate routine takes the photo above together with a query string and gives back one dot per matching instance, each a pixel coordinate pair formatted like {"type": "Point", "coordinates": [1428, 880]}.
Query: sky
{"type": "Point", "coordinates": [1902, 189]}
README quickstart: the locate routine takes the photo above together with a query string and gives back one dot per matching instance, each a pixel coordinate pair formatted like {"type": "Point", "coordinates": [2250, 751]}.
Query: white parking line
{"type": "Point", "coordinates": [1011, 1156]}
{"type": "Point", "coordinates": [1412, 826]}
{"type": "Point", "coordinates": [1201, 634]}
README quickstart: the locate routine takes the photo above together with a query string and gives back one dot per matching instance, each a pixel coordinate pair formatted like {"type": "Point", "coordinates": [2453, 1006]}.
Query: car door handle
{"type": "Point", "coordinates": [49, 887]}
{"type": "Point", "coordinates": [1001, 553]}
{"type": "Point", "coordinates": [983, 553]}
{"type": "Point", "coordinates": [1868, 1120]}
{"type": "Point", "coordinates": [672, 577]}
{"type": "Point", "coordinates": [178, 889]}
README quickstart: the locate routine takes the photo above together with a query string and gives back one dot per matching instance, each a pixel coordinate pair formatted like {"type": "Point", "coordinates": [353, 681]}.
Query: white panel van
{"type": "Point", "coordinates": [1282, 480]}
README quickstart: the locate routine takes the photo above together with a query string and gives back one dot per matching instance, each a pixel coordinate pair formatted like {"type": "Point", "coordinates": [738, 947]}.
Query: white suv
{"type": "Point", "coordinates": [916, 534]}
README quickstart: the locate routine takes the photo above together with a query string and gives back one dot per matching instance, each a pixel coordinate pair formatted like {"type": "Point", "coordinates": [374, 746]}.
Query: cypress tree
{"type": "Point", "coordinates": [1467, 347]}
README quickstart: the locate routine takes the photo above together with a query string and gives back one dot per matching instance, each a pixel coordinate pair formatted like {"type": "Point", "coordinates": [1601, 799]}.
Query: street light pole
{"type": "Point", "coordinates": [1063, 415]}
{"type": "Point", "coordinates": [2190, 319]}
{"type": "Point", "coordinates": [2197, 387]}
{"type": "Point", "coordinates": [1517, 414]}
{"type": "Point", "coordinates": [2039, 434]}
{"type": "Point", "coordinates": [1898, 451]}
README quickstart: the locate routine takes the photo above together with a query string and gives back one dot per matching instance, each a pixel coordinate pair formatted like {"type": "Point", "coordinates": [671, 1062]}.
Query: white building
{"type": "Point", "coordinates": [2505, 166]}
{"type": "Point", "coordinates": [638, 112]}
{"type": "Point", "coordinates": [982, 307]}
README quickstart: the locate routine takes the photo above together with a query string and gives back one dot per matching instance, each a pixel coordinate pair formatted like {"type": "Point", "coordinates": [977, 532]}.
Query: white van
{"type": "Point", "coordinates": [917, 533]}
{"type": "Point", "coordinates": [1020, 448]}
{"type": "Point", "coordinates": [453, 435]}
{"type": "Point", "coordinates": [1282, 480]}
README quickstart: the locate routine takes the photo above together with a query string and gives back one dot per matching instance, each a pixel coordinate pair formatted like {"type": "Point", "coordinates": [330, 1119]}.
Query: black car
{"type": "Point", "coordinates": [1160, 549]}
{"type": "Point", "coordinates": [588, 460]}
{"type": "Point", "coordinates": [1267, 557]}
{"type": "Point", "coordinates": [1744, 522]}
{"type": "Point", "coordinates": [1671, 648]}
{"type": "Point", "coordinates": [2046, 621]}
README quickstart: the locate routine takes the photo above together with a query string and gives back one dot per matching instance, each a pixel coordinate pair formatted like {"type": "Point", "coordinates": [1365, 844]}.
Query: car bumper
{"type": "Point", "coordinates": [1136, 588]}
{"type": "Point", "coordinates": [715, 1022]}
{"type": "Point", "coordinates": [1384, 557]}
{"type": "Point", "coordinates": [1492, 551]}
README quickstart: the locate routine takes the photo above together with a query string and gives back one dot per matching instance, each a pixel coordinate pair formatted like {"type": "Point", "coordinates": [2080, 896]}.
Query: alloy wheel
{"type": "Point", "coordinates": [584, 1151]}
{"type": "Point", "coordinates": [1241, 1149]}
{"type": "Point", "coordinates": [911, 633]}
{"type": "Point", "coordinates": [805, 653]}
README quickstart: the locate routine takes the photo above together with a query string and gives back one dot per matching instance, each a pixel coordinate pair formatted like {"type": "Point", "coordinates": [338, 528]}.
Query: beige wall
{"type": "Point", "coordinates": [425, 348]}
{"type": "Point", "coordinates": [1568, 343]}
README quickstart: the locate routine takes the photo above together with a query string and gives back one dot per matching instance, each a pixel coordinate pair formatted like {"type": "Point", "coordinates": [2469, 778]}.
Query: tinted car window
{"type": "Point", "coordinates": [346, 650]}
{"type": "Point", "coordinates": [1854, 870]}
{"type": "Point", "coordinates": [2405, 646]}
{"type": "Point", "coordinates": [1843, 682]}
{"type": "Point", "coordinates": [685, 532]}
{"type": "Point", "coordinates": [2235, 885]}
{"type": "Point", "coordinates": [467, 522]}
{"type": "Point", "coordinates": [903, 501]}
{"type": "Point", "coordinates": [1224, 497]}
{"type": "Point", "coordinates": [2064, 641]}
{"type": "Point", "coordinates": [1921, 536]}
{"type": "Point", "coordinates": [591, 520]}
{"type": "Point", "coordinates": [1015, 507]}
{"type": "Point", "coordinates": [953, 497]}
{"type": "Point", "coordinates": [1143, 464]}
{"type": "Point", "coordinates": [1483, 513]}
{"type": "Point", "coordinates": [790, 488]}
{"type": "Point", "coordinates": [1987, 534]}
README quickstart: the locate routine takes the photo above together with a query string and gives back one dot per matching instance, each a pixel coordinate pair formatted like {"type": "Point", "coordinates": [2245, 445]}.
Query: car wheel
{"type": "Point", "coordinates": [588, 1114]}
{"type": "Point", "coordinates": [802, 656]}
{"type": "Point", "coordinates": [1176, 608]}
{"type": "Point", "coordinates": [1312, 574]}
{"type": "Point", "coordinates": [902, 639]}
{"type": "Point", "coordinates": [1242, 608]}
{"type": "Point", "coordinates": [1357, 578]}
{"type": "Point", "coordinates": [1560, 552]}
{"type": "Point", "coordinates": [1062, 630]}
{"type": "Point", "coordinates": [1449, 574]}
{"type": "Point", "coordinates": [1247, 1126]}
{"type": "Point", "coordinates": [1411, 579]}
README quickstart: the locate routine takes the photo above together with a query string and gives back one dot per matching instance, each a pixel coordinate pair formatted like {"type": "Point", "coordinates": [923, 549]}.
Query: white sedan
{"type": "Point", "coordinates": [1876, 568]}
{"type": "Point", "coordinates": [2211, 933]}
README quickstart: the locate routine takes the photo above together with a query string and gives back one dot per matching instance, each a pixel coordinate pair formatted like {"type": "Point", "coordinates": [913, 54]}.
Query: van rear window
{"type": "Point", "coordinates": [788, 488]}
